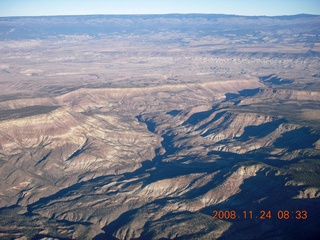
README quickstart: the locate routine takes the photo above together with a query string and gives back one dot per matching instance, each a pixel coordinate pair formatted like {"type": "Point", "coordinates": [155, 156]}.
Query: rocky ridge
{"type": "Point", "coordinates": [184, 170]}
{"type": "Point", "coordinates": [142, 134]}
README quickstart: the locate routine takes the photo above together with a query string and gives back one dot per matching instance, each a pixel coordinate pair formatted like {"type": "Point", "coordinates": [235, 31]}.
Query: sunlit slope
{"type": "Point", "coordinates": [140, 127]}
{"type": "Point", "coordinates": [137, 168]}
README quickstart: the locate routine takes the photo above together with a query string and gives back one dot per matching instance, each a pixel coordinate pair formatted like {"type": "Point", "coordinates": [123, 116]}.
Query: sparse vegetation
{"type": "Point", "coordinates": [149, 123]}
{"type": "Point", "coordinates": [306, 172]}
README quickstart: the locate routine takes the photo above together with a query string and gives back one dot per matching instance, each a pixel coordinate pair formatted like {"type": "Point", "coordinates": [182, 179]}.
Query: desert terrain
{"type": "Point", "coordinates": [140, 127]}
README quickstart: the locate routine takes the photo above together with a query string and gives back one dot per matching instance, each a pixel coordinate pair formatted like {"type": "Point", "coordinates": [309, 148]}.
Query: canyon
{"type": "Point", "coordinates": [139, 127]}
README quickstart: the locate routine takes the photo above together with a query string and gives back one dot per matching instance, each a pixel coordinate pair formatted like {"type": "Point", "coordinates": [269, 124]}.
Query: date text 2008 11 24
{"type": "Point", "coordinates": [263, 214]}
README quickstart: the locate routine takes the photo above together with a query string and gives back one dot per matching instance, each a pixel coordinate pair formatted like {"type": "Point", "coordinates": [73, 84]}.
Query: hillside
{"type": "Point", "coordinates": [141, 127]}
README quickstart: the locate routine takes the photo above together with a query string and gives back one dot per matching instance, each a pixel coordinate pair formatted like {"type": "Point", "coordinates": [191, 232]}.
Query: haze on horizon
{"type": "Point", "coordinates": [74, 7]}
{"type": "Point", "coordinates": [159, 126]}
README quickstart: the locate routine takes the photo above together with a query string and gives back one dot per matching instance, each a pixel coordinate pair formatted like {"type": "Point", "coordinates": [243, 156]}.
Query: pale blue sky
{"type": "Point", "coordinates": [81, 7]}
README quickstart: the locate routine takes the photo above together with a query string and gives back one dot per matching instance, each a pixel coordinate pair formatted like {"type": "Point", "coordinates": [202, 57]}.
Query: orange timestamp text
{"type": "Point", "coordinates": [262, 214]}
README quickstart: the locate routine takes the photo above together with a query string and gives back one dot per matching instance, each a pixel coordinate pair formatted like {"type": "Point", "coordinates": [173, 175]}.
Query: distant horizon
{"type": "Point", "coordinates": [160, 14]}
{"type": "Point", "coordinates": [270, 8]}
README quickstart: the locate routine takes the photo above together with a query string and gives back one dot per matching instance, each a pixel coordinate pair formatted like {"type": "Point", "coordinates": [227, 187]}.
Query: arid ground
{"type": "Point", "coordinates": [160, 127]}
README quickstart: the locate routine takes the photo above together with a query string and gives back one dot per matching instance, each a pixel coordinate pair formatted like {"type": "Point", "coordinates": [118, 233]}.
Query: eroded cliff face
{"type": "Point", "coordinates": [145, 163]}
{"type": "Point", "coordinates": [146, 125]}
{"type": "Point", "coordinates": [45, 153]}
{"type": "Point", "coordinates": [92, 132]}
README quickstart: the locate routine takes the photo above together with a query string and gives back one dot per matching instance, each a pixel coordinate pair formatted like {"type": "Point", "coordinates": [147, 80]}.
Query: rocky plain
{"type": "Point", "coordinates": [141, 127]}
